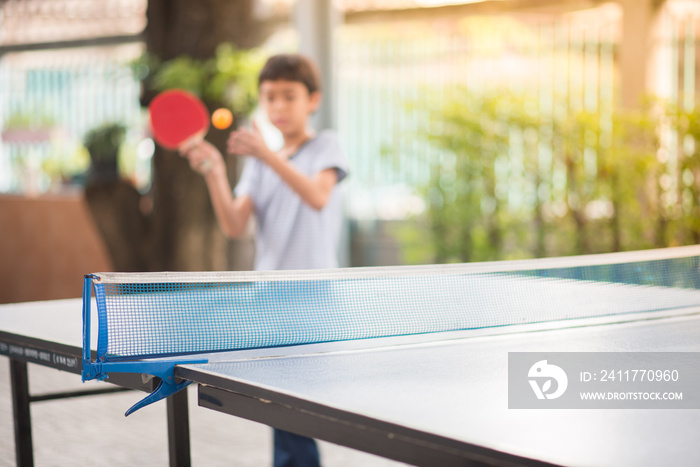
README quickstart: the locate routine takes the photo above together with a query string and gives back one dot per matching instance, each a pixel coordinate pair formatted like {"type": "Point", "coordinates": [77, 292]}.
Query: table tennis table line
{"type": "Point", "coordinates": [438, 338]}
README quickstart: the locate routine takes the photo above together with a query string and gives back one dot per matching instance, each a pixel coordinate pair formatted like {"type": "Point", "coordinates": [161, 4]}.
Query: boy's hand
{"type": "Point", "coordinates": [203, 157]}
{"type": "Point", "coordinates": [247, 142]}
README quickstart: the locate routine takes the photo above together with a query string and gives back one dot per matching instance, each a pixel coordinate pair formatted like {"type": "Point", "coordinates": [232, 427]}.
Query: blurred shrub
{"type": "Point", "coordinates": [513, 181]}
{"type": "Point", "coordinates": [103, 144]}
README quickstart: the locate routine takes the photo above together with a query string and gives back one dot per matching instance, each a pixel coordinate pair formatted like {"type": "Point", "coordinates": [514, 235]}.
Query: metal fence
{"type": "Point", "coordinates": [681, 57]}
{"type": "Point", "coordinates": [680, 83]}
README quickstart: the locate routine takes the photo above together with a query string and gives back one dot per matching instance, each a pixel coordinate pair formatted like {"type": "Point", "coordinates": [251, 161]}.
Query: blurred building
{"type": "Point", "coordinates": [64, 69]}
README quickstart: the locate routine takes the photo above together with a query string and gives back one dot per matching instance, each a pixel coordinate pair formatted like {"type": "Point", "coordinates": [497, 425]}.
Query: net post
{"type": "Point", "coordinates": [87, 371]}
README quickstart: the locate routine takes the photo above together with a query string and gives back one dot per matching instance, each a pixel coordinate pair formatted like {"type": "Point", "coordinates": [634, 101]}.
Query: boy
{"type": "Point", "coordinates": [292, 192]}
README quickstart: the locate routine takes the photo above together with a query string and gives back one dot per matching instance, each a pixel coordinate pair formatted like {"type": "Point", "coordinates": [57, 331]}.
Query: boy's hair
{"type": "Point", "coordinates": [291, 67]}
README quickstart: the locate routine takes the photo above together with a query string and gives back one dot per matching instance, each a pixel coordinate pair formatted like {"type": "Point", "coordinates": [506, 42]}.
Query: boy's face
{"type": "Point", "coordinates": [288, 104]}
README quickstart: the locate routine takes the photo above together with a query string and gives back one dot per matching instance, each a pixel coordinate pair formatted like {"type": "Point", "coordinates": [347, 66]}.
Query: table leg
{"type": "Point", "coordinates": [19, 381]}
{"type": "Point", "coordinates": [178, 430]}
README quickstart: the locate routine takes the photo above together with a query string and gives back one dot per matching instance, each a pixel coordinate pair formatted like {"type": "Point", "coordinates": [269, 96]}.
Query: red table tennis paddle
{"type": "Point", "coordinates": [177, 117]}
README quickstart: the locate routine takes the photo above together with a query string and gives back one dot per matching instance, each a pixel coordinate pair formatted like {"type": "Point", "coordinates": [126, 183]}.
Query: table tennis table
{"type": "Point", "coordinates": [436, 398]}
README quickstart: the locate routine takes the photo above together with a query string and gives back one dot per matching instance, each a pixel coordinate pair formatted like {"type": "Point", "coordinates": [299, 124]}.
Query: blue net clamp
{"type": "Point", "coordinates": [100, 369]}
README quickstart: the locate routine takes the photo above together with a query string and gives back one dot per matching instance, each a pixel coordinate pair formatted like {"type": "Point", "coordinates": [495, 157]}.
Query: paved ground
{"type": "Point", "coordinates": [93, 431]}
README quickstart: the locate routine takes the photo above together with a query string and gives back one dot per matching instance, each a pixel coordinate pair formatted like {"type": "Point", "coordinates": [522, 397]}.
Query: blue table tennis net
{"type": "Point", "coordinates": [154, 315]}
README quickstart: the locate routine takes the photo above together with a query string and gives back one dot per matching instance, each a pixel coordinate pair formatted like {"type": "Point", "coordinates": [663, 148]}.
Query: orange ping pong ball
{"type": "Point", "coordinates": [221, 118]}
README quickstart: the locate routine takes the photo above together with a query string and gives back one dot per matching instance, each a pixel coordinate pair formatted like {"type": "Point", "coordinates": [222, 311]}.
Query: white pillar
{"type": "Point", "coordinates": [639, 49]}
{"type": "Point", "coordinates": [316, 20]}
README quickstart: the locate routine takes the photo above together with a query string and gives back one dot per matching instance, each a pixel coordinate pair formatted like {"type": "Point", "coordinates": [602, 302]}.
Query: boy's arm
{"type": "Point", "coordinates": [231, 213]}
{"type": "Point", "coordinates": [314, 191]}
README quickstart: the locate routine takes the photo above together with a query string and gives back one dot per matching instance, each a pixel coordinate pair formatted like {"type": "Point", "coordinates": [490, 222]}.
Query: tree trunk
{"type": "Point", "coordinates": [177, 27]}
{"type": "Point", "coordinates": [115, 209]}
{"type": "Point", "coordinates": [184, 232]}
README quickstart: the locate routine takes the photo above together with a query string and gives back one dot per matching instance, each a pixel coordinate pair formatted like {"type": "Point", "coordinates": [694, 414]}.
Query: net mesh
{"type": "Point", "coordinates": [191, 313]}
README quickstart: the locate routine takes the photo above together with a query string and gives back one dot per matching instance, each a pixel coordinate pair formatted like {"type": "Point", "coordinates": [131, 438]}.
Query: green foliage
{"type": "Point", "coordinates": [686, 131]}
{"type": "Point", "coordinates": [229, 78]}
{"type": "Point", "coordinates": [66, 163]}
{"type": "Point", "coordinates": [513, 181]}
{"type": "Point", "coordinates": [103, 142]}
{"type": "Point", "coordinates": [183, 73]}
{"type": "Point", "coordinates": [468, 198]}
{"type": "Point", "coordinates": [235, 81]}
